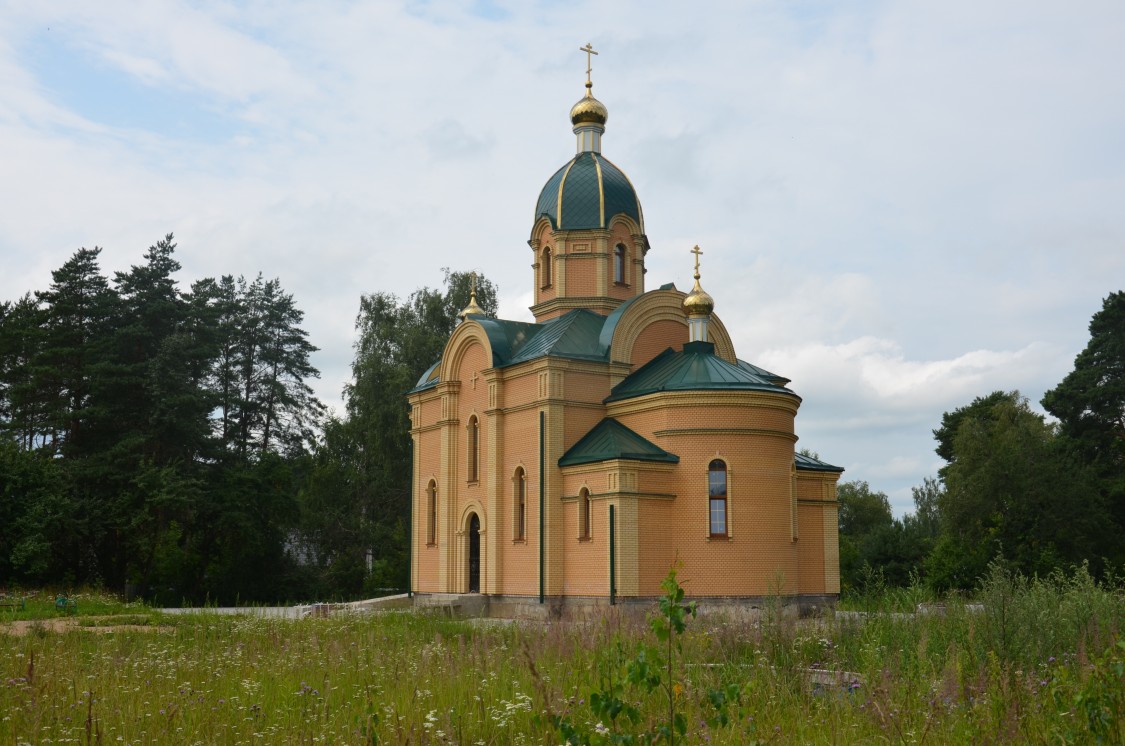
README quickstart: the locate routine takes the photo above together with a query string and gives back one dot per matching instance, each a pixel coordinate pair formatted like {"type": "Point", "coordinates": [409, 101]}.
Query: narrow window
{"type": "Point", "coordinates": [431, 512]}
{"type": "Point", "coordinates": [584, 514]}
{"type": "Point", "coordinates": [619, 264]}
{"type": "Point", "coordinates": [717, 495]}
{"type": "Point", "coordinates": [521, 504]}
{"type": "Point", "coordinates": [473, 450]}
{"type": "Point", "coordinates": [545, 268]}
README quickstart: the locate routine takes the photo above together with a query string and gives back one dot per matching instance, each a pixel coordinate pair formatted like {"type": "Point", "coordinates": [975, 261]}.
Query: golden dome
{"type": "Point", "coordinates": [472, 309]}
{"type": "Point", "coordinates": [698, 302]}
{"type": "Point", "coordinates": [589, 110]}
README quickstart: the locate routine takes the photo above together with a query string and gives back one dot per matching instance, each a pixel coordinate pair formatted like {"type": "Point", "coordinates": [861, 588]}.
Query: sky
{"type": "Point", "coordinates": [902, 205]}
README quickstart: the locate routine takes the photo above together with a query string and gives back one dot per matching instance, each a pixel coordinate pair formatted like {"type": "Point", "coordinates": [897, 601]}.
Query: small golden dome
{"type": "Point", "coordinates": [698, 302]}
{"type": "Point", "coordinates": [472, 309]}
{"type": "Point", "coordinates": [589, 110]}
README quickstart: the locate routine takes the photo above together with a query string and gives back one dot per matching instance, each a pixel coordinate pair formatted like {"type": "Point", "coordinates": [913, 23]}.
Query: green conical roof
{"type": "Point", "coordinates": [696, 368]}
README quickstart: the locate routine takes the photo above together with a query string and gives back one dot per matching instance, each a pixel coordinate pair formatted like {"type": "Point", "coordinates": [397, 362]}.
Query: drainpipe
{"type": "Point", "coordinates": [612, 559]}
{"type": "Point", "coordinates": [410, 527]}
{"type": "Point", "coordinates": [542, 428]}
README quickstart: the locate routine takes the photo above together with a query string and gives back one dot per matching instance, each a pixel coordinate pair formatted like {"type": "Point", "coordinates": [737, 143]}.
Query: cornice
{"type": "Point", "coordinates": [727, 431]}
{"type": "Point", "coordinates": [704, 398]}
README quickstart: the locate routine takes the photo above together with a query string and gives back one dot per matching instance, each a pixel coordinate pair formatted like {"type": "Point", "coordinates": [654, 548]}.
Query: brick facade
{"type": "Point", "coordinates": [523, 414]}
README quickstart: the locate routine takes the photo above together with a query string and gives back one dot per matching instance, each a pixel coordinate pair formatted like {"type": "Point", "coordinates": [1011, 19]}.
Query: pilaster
{"type": "Point", "coordinates": [447, 488]}
{"type": "Point", "coordinates": [554, 523]}
{"type": "Point", "coordinates": [492, 576]}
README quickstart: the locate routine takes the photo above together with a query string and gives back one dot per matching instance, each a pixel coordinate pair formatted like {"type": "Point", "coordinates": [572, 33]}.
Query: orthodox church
{"type": "Point", "coordinates": [568, 463]}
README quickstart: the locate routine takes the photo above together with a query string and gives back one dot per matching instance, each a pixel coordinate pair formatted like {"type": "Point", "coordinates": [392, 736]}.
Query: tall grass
{"type": "Point", "coordinates": [1043, 662]}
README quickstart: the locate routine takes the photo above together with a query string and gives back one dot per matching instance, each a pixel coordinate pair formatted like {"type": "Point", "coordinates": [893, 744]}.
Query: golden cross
{"type": "Point", "coordinates": [589, 50]}
{"type": "Point", "coordinates": [697, 252]}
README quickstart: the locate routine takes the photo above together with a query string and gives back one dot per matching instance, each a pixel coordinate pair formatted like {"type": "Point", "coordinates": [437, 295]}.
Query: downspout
{"type": "Point", "coordinates": [410, 527]}
{"type": "Point", "coordinates": [612, 559]}
{"type": "Point", "coordinates": [542, 458]}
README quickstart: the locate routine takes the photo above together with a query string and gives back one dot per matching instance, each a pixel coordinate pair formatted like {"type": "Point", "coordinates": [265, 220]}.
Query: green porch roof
{"type": "Point", "coordinates": [808, 463]}
{"type": "Point", "coordinates": [696, 368]}
{"type": "Point", "coordinates": [609, 439]}
{"type": "Point", "coordinates": [586, 193]}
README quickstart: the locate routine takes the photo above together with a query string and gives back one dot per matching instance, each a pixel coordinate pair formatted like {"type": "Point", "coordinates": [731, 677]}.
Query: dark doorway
{"type": "Point", "coordinates": [474, 554]}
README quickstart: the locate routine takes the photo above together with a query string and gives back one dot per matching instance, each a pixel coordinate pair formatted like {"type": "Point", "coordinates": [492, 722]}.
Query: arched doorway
{"type": "Point", "coordinates": [474, 554]}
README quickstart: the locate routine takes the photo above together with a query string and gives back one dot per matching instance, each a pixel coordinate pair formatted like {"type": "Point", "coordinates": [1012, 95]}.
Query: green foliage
{"type": "Point", "coordinates": [1012, 489]}
{"type": "Point", "coordinates": [139, 420]}
{"type": "Point", "coordinates": [413, 678]}
{"type": "Point", "coordinates": [1090, 405]}
{"type": "Point", "coordinates": [981, 408]}
{"type": "Point", "coordinates": [355, 503]}
{"type": "Point", "coordinates": [872, 540]}
{"type": "Point", "coordinates": [628, 682]}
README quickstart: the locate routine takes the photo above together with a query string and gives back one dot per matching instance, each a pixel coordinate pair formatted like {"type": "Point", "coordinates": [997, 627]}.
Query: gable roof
{"type": "Point", "coordinates": [609, 439]}
{"type": "Point", "coordinates": [697, 367]}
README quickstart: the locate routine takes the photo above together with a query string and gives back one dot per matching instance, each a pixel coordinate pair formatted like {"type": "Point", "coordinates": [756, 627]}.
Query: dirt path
{"type": "Point", "coordinates": [21, 628]}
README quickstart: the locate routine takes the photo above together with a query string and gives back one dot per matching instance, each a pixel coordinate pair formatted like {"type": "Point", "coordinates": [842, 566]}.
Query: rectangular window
{"type": "Point", "coordinates": [718, 516]}
{"type": "Point", "coordinates": [717, 496]}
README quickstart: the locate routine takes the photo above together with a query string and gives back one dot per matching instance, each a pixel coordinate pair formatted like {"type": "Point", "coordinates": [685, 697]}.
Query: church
{"type": "Point", "coordinates": [567, 464]}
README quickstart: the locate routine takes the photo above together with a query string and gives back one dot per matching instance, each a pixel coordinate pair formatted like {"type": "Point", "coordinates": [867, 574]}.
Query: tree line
{"type": "Point", "coordinates": [166, 440]}
{"type": "Point", "coordinates": [1037, 495]}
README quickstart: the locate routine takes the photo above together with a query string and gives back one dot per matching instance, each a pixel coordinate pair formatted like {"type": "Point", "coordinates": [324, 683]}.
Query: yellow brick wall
{"type": "Point", "coordinates": [662, 510]}
{"type": "Point", "coordinates": [656, 338]}
{"type": "Point", "coordinates": [586, 571]}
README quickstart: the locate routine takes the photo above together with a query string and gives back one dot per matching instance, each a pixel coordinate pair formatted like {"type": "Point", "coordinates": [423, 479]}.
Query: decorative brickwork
{"type": "Point", "coordinates": [509, 400]}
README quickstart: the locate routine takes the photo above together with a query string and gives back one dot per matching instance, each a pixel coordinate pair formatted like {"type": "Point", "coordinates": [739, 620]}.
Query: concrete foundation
{"type": "Point", "coordinates": [579, 608]}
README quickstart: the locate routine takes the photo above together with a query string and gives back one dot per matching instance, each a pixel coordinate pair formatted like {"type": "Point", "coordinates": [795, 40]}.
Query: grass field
{"type": "Point", "coordinates": [1043, 663]}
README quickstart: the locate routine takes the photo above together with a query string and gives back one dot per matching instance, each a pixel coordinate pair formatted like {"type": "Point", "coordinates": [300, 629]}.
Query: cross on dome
{"type": "Point", "coordinates": [589, 50]}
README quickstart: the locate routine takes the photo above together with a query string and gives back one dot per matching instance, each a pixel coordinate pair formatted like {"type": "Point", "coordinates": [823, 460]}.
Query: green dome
{"type": "Point", "coordinates": [586, 193]}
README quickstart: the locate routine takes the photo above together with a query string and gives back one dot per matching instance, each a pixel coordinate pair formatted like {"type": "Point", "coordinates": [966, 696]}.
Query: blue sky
{"type": "Point", "coordinates": [902, 205]}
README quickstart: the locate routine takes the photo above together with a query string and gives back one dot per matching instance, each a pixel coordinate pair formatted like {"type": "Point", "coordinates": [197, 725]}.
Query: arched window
{"type": "Point", "coordinates": [584, 514]}
{"type": "Point", "coordinates": [473, 450]}
{"type": "Point", "coordinates": [545, 268]}
{"type": "Point", "coordinates": [619, 264]}
{"type": "Point", "coordinates": [431, 513]}
{"type": "Point", "coordinates": [717, 497]}
{"type": "Point", "coordinates": [519, 507]}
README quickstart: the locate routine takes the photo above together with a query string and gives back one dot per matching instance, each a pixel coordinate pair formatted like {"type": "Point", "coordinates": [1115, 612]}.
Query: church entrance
{"type": "Point", "coordinates": [474, 554]}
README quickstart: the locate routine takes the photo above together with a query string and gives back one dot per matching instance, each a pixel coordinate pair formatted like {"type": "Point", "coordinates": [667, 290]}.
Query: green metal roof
{"type": "Point", "coordinates": [808, 463]}
{"type": "Point", "coordinates": [575, 334]}
{"type": "Point", "coordinates": [584, 335]}
{"type": "Point", "coordinates": [762, 372]}
{"type": "Point", "coordinates": [428, 379]}
{"type": "Point", "coordinates": [586, 193]}
{"type": "Point", "coordinates": [696, 368]}
{"type": "Point", "coordinates": [609, 439]}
